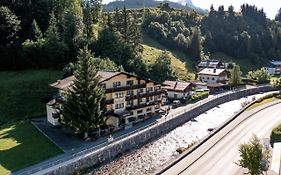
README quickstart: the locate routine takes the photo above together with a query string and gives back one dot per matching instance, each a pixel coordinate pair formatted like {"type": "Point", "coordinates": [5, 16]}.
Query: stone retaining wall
{"type": "Point", "coordinates": [118, 147]}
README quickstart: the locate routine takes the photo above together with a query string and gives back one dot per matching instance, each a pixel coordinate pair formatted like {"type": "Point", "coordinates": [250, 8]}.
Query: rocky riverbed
{"type": "Point", "coordinates": [157, 153]}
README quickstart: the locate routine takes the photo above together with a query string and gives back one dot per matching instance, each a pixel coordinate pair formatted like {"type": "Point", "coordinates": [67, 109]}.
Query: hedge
{"type": "Point", "coordinates": [275, 135]}
{"type": "Point", "coordinates": [197, 96]}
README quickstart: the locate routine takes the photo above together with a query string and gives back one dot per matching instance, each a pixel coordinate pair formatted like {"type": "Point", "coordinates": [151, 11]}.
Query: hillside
{"type": "Point", "coordinates": [133, 4]}
{"type": "Point", "coordinates": [180, 62]}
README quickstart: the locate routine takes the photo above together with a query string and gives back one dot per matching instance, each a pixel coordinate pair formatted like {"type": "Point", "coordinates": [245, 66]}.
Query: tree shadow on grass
{"type": "Point", "coordinates": [21, 145]}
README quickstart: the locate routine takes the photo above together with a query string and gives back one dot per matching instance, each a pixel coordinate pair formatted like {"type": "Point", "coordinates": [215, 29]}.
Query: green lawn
{"type": "Point", "coordinates": [265, 101]}
{"type": "Point", "coordinates": [21, 93]}
{"type": "Point", "coordinates": [21, 144]}
{"type": "Point", "coordinates": [180, 61]}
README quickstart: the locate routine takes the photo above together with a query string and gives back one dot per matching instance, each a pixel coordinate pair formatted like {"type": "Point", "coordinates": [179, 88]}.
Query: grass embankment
{"type": "Point", "coordinates": [265, 101]}
{"type": "Point", "coordinates": [245, 64]}
{"type": "Point", "coordinates": [21, 144]}
{"type": "Point", "coordinates": [180, 62]}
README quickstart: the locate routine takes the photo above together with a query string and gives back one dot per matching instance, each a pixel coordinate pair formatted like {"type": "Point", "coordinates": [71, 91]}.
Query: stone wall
{"type": "Point", "coordinates": [136, 140]}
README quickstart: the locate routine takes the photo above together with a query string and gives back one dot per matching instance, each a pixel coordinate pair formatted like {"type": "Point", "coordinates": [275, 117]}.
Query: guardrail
{"type": "Point", "coordinates": [141, 129]}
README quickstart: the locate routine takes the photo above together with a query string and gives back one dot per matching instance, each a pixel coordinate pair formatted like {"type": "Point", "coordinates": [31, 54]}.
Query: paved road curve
{"type": "Point", "coordinates": [221, 155]}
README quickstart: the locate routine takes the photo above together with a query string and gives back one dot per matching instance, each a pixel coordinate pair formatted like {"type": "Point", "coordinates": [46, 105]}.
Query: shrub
{"type": "Point", "coordinates": [197, 96]}
{"type": "Point", "coordinates": [275, 135]}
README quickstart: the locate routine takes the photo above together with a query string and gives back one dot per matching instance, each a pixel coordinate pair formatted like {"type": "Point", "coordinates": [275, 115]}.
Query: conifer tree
{"type": "Point", "coordinates": [85, 105]}
{"type": "Point", "coordinates": [235, 78]}
{"type": "Point", "coordinates": [36, 33]}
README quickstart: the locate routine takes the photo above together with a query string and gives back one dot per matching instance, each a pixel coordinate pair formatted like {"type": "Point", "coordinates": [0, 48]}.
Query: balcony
{"type": "Point", "coordinates": [142, 105]}
{"type": "Point", "coordinates": [143, 95]}
{"type": "Point", "coordinates": [125, 88]}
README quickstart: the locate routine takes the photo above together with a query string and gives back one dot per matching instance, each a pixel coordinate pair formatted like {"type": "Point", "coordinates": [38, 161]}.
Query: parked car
{"type": "Point", "coordinates": [176, 103]}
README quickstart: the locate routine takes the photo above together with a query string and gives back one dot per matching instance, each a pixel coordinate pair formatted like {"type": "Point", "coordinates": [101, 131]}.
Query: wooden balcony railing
{"type": "Point", "coordinates": [143, 95]}
{"type": "Point", "coordinates": [133, 107]}
{"type": "Point", "coordinates": [125, 88]}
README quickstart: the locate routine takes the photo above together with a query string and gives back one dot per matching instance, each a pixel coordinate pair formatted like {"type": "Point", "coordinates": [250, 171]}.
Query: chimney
{"type": "Point", "coordinates": [215, 70]}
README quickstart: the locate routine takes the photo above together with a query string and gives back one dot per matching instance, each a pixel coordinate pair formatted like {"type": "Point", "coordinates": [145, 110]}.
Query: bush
{"type": "Point", "coordinates": [197, 96]}
{"type": "Point", "coordinates": [275, 135]}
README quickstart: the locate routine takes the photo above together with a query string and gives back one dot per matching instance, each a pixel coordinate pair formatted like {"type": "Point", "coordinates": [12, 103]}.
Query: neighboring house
{"type": "Point", "coordinates": [215, 78]}
{"type": "Point", "coordinates": [129, 98]}
{"type": "Point", "coordinates": [177, 89]}
{"type": "Point", "coordinates": [211, 76]}
{"type": "Point", "coordinates": [211, 64]}
{"type": "Point", "coordinates": [273, 68]}
{"type": "Point", "coordinates": [199, 84]}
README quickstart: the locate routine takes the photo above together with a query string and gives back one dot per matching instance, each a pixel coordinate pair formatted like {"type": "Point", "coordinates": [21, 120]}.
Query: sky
{"type": "Point", "coordinates": [270, 7]}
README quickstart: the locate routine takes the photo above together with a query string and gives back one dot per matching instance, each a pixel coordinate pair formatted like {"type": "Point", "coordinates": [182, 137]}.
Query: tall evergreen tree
{"type": "Point", "coordinates": [55, 48]}
{"type": "Point", "coordinates": [84, 108]}
{"type": "Point", "coordinates": [88, 20]}
{"type": "Point", "coordinates": [278, 16]}
{"type": "Point", "coordinates": [36, 33]}
{"type": "Point", "coordinates": [235, 78]}
{"type": "Point", "coordinates": [72, 27]}
{"type": "Point", "coordinates": [195, 47]}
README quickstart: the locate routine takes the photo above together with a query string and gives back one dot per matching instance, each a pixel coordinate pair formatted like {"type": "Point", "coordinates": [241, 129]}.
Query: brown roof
{"type": "Point", "coordinates": [176, 85]}
{"type": "Point", "coordinates": [104, 75]}
{"type": "Point", "coordinates": [210, 71]}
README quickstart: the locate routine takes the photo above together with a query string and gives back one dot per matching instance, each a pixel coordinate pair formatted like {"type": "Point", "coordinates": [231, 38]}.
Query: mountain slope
{"type": "Point", "coordinates": [132, 4]}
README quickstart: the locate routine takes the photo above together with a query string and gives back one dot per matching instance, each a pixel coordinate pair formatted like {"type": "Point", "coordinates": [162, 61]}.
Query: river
{"type": "Point", "coordinates": [157, 153]}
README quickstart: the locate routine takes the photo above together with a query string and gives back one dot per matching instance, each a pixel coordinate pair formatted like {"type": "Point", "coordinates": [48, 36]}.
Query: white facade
{"type": "Point", "coordinates": [50, 115]}
{"type": "Point", "coordinates": [270, 70]}
{"type": "Point", "coordinates": [212, 76]}
{"type": "Point", "coordinates": [177, 95]}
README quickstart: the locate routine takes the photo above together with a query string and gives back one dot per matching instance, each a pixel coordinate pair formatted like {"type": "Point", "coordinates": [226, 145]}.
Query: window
{"type": "Point", "coordinates": [131, 92]}
{"type": "Point", "coordinates": [139, 111]}
{"type": "Point", "coordinates": [157, 88]}
{"type": "Point", "coordinates": [148, 109]}
{"type": "Point", "coordinates": [140, 91]}
{"type": "Point", "coordinates": [149, 89]}
{"type": "Point", "coordinates": [139, 100]}
{"type": "Point", "coordinates": [150, 98]}
{"type": "Point", "coordinates": [116, 84]}
{"type": "Point", "coordinates": [175, 95]}
{"type": "Point", "coordinates": [208, 78]}
{"type": "Point", "coordinates": [119, 95]}
{"type": "Point", "coordinates": [213, 78]}
{"type": "Point", "coordinates": [130, 103]}
{"type": "Point", "coordinates": [130, 82]}
{"type": "Point", "coordinates": [119, 106]}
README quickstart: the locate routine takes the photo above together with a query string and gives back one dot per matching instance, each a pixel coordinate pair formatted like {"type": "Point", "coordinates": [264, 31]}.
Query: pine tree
{"type": "Point", "coordinates": [195, 47]}
{"type": "Point", "coordinates": [72, 27]}
{"type": "Point", "coordinates": [278, 16]}
{"type": "Point", "coordinates": [84, 108]}
{"type": "Point", "coordinates": [235, 78]}
{"type": "Point", "coordinates": [55, 48]}
{"type": "Point", "coordinates": [88, 20]}
{"type": "Point", "coordinates": [36, 33]}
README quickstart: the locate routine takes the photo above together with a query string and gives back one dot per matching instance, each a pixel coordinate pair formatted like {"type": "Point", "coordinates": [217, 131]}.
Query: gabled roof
{"type": "Point", "coordinates": [211, 71]}
{"type": "Point", "coordinates": [103, 75]}
{"type": "Point", "coordinates": [176, 85]}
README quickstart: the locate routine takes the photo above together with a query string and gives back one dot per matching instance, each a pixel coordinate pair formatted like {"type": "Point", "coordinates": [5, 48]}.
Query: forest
{"type": "Point", "coordinates": [38, 34]}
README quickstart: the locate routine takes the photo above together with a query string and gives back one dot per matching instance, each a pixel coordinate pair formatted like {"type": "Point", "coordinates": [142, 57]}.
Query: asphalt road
{"type": "Point", "coordinates": [218, 155]}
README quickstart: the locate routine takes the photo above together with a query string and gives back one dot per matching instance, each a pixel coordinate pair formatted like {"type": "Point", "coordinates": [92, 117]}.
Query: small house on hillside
{"type": "Point", "coordinates": [177, 89]}
{"type": "Point", "coordinates": [273, 68]}
{"type": "Point", "coordinates": [211, 64]}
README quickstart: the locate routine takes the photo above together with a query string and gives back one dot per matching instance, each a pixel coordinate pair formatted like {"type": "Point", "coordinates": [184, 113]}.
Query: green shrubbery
{"type": "Point", "coordinates": [197, 96]}
{"type": "Point", "coordinates": [276, 95]}
{"type": "Point", "coordinates": [275, 135]}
